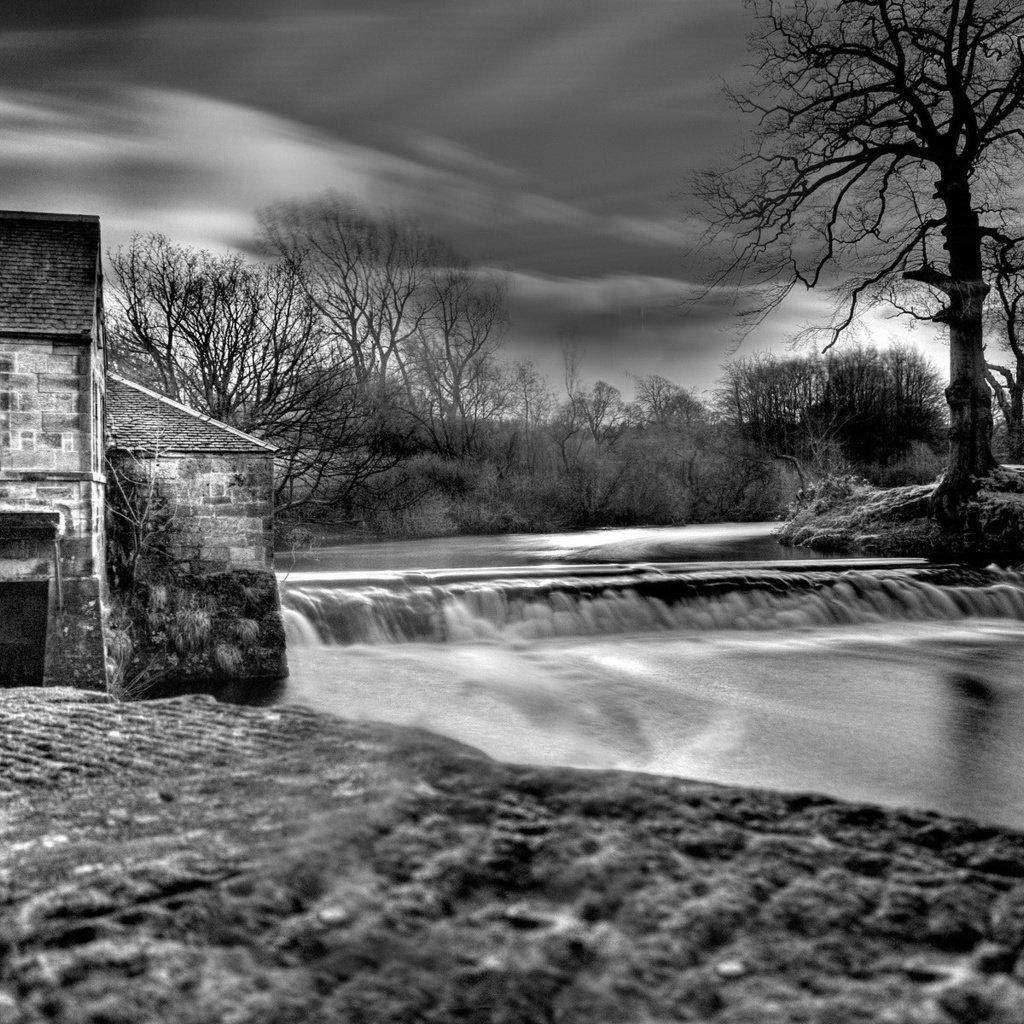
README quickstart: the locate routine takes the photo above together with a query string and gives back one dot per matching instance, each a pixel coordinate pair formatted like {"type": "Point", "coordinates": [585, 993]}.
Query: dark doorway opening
{"type": "Point", "coordinates": [23, 633]}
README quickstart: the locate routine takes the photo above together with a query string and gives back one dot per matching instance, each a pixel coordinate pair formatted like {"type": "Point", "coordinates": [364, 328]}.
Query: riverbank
{"type": "Point", "coordinates": [189, 861]}
{"type": "Point", "coordinates": [845, 516]}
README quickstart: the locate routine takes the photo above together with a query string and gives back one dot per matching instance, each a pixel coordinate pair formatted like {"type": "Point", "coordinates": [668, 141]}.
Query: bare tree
{"type": "Point", "coordinates": [365, 274]}
{"type": "Point", "coordinates": [231, 337]}
{"type": "Point", "coordinates": [858, 407]}
{"type": "Point", "coordinates": [600, 410]}
{"type": "Point", "coordinates": [885, 136]}
{"type": "Point", "coordinates": [456, 384]}
{"type": "Point", "coordinates": [884, 401]}
{"type": "Point", "coordinates": [778, 405]}
{"type": "Point", "coordinates": [661, 402]}
{"type": "Point", "coordinates": [243, 342]}
{"type": "Point", "coordinates": [532, 404]}
{"type": "Point", "coordinates": [141, 521]}
{"type": "Point", "coordinates": [419, 328]}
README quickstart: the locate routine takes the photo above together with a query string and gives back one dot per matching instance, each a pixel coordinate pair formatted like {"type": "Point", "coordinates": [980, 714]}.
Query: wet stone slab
{"type": "Point", "coordinates": [191, 861]}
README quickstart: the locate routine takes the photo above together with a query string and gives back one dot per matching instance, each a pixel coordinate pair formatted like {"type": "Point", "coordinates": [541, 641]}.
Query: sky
{"type": "Point", "coordinates": [551, 138]}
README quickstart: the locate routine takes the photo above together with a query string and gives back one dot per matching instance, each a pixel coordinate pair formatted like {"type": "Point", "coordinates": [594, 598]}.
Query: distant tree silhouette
{"type": "Point", "coordinates": [854, 409]}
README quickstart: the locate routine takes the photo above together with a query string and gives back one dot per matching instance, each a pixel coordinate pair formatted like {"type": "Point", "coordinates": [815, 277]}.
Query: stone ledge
{"type": "Point", "coordinates": [30, 476]}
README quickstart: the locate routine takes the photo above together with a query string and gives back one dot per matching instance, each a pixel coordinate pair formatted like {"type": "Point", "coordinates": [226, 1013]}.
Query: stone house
{"type": "Point", "coordinates": [51, 450]}
{"type": "Point", "coordinates": [59, 412]}
{"type": "Point", "coordinates": [218, 480]}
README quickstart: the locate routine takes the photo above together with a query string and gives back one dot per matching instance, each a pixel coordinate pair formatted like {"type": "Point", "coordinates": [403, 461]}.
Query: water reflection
{"type": "Point", "coordinates": [260, 693]}
{"type": "Point", "coordinates": [722, 541]}
{"type": "Point", "coordinates": [984, 727]}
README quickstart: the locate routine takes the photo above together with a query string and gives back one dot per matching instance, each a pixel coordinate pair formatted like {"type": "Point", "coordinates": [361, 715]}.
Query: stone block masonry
{"type": "Point", "coordinates": [51, 507]}
{"type": "Point", "coordinates": [44, 406]}
{"type": "Point", "coordinates": [52, 387]}
{"type": "Point", "coordinates": [219, 507]}
{"type": "Point", "coordinates": [190, 534]}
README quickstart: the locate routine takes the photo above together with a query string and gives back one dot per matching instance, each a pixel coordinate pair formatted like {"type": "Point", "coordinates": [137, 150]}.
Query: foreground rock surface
{"type": "Point", "coordinates": [189, 861]}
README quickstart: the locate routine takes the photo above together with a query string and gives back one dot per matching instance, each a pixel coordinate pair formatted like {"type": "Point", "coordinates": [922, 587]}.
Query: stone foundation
{"type": "Point", "coordinates": [196, 633]}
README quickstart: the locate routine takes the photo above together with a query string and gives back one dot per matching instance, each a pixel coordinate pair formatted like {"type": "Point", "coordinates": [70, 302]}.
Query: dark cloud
{"type": "Point", "coordinates": [543, 136]}
{"type": "Point", "coordinates": [55, 15]}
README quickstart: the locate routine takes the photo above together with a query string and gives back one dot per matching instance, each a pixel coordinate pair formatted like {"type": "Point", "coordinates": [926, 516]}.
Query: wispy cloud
{"type": "Point", "coordinates": [541, 135]}
{"type": "Point", "coordinates": [608, 293]}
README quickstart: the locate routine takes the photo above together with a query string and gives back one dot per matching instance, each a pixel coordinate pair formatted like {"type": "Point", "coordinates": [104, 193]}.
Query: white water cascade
{"type": "Point", "coordinates": [891, 681]}
{"type": "Point", "coordinates": [513, 605]}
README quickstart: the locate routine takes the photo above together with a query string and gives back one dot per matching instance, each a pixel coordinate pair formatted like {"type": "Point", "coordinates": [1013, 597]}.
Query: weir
{"type": "Point", "coordinates": [886, 680]}
{"type": "Point", "coordinates": [520, 604]}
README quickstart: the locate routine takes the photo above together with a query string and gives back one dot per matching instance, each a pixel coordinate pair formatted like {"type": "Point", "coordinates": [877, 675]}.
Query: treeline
{"type": "Point", "coordinates": [878, 413]}
{"type": "Point", "coordinates": [372, 354]}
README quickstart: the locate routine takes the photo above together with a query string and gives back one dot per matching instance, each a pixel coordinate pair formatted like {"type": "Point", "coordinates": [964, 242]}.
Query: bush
{"type": "Point", "coordinates": [429, 517]}
{"type": "Point", "coordinates": [921, 465]}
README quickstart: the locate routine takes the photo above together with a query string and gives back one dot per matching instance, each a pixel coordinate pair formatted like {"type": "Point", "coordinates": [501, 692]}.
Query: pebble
{"type": "Point", "coordinates": [730, 969]}
{"type": "Point", "coordinates": [333, 915]}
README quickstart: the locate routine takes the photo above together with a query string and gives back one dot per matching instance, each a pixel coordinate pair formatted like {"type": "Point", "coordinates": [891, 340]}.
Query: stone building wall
{"type": "Point", "coordinates": [44, 389]}
{"type": "Point", "coordinates": [204, 595]}
{"type": "Point", "coordinates": [191, 538]}
{"type": "Point", "coordinates": [52, 498]}
{"type": "Point", "coordinates": [220, 508]}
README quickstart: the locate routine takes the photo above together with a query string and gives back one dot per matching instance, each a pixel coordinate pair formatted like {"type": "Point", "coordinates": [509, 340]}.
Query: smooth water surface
{"type": "Point", "coordinates": [717, 542]}
{"type": "Point", "coordinates": [875, 700]}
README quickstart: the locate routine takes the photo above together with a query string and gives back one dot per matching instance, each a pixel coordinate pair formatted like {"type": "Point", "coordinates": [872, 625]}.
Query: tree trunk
{"type": "Point", "coordinates": [968, 396]}
{"type": "Point", "coordinates": [1015, 442]}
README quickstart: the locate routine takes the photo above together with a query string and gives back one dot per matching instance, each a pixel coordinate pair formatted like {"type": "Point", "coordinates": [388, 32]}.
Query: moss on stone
{"type": "Point", "coordinates": [851, 516]}
{"type": "Point", "coordinates": [188, 630]}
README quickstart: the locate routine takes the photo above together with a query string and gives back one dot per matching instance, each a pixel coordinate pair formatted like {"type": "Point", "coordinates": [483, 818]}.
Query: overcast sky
{"type": "Point", "coordinates": [548, 137]}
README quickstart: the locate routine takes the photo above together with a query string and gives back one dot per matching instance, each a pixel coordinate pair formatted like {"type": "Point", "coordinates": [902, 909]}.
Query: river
{"type": "Point", "coordinates": [707, 652]}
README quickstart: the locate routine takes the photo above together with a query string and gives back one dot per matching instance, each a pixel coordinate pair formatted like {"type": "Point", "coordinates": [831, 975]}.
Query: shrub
{"type": "Point", "coordinates": [247, 631]}
{"type": "Point", "coordinates": [227, 658]}
{"type": "Point", "coordinates": [921, 465]}
{"type": "Point", "coordinates": [189, 630]}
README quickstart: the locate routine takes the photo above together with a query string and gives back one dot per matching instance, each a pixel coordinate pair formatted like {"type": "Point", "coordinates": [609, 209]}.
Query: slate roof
{"type": "Point", "coordinates": [141, 420]}
{"type": "Point", "coordinates": [49, 272]}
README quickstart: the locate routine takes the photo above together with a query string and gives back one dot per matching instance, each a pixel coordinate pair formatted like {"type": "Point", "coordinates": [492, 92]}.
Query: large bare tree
{"type": "Point", "coordinates": [885, 139]}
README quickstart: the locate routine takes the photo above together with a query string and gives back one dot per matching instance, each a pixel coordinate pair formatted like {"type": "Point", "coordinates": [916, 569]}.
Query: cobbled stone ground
{"type": "Point", "coordinates": [189, 861]}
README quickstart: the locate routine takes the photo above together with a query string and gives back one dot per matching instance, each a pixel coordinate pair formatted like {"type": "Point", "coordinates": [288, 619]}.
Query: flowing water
{"type": "Point", "coordinates": [704, 652]}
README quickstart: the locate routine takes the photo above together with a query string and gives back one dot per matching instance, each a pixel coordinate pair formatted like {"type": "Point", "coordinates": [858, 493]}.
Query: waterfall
{"type": "Point", "coordinates": [518, 605]}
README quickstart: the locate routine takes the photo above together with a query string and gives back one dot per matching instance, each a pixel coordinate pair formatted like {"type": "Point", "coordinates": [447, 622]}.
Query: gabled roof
{"type": "Point", "coordinates": [140, 420]}
{"type": "Point", "coordinates": [49, 272]}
